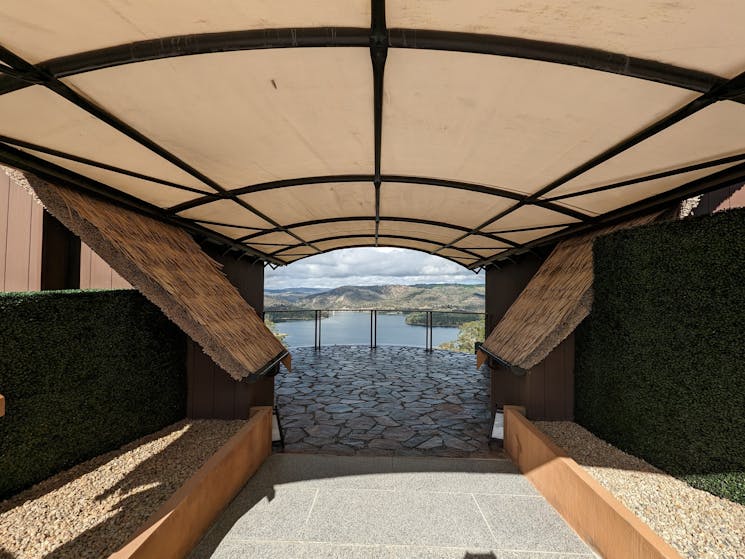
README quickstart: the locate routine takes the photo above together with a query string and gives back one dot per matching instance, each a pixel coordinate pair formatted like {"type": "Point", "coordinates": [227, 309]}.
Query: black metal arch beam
{"type": "Point", "coordinates": [310, 181]}
{"type": "Point", "coordinates": [52, 83]}
{"type": "Point", "coordinates": [260, 39]}
{"type": "Point", "coordinates": [378, 56]}
{"type": "Point", "coordinates": [655, 176]}
{"type": "Point", "coordinates": [56, 174]}
{"type": "Point", "coordinates": [22, 74]}
{"type": "Point", "coordinates": [105, 166]}
{"type": "Point", "coordinates": [341, 219]}
{"type": "Point", "coordinates": [726, 177]}
{"type": "Point", "coordinates": [724, 91]}
{"type": "Point", "coordinates": [296, 257]}
{"type": "Point", "coordinates": [368, 236]}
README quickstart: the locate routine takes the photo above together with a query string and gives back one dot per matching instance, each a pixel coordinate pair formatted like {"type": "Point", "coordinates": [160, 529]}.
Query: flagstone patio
{"type": "Point", "coordinates": [387, 401]}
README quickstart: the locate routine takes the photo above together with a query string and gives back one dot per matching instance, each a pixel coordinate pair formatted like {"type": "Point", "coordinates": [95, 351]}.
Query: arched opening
{"type": "Point", "coordinates": [383, 343]}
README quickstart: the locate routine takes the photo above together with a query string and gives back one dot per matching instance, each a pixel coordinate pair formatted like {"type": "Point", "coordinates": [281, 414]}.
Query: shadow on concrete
{"type": "Point", "coordinates": [374, 505]}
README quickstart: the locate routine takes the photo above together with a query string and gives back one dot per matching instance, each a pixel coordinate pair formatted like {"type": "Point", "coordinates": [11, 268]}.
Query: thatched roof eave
{"type": "Point", "coordinates": [555, 301]}
{"type": "Point", "coordinates": [168, 267]}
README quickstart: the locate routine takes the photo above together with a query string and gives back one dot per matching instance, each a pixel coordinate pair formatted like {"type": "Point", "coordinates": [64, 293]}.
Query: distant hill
{"type": "Point", "coordinates": [276, 298]}
{"type": "Point", "coordinates": [429, 296]}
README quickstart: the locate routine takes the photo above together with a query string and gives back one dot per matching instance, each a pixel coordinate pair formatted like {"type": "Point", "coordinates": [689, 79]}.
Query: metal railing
{"type": "Point", "coordinates": [318, 315]}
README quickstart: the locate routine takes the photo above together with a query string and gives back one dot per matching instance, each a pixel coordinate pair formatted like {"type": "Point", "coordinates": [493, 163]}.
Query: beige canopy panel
{"type": "Point", "coordinates": [170, 269]}
{"type": "Point", "coordinates": [472, 130]}
{"type": "Point", "coordinates": [557, 298]}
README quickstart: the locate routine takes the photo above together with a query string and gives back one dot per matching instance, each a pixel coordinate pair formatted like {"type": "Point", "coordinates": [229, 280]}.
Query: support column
{"type": "Point", "coordinates": [211, 392]}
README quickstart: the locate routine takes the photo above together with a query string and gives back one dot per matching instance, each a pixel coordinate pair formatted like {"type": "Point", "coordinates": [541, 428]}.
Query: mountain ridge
{"type": "Point", "coordinates": [460, 297]}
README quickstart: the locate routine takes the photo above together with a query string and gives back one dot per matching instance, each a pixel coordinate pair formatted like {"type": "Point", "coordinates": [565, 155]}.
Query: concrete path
{"type": "Point", "coordinates": [312, 506]}
{"type": "Point", "coordinates": [388, 401]}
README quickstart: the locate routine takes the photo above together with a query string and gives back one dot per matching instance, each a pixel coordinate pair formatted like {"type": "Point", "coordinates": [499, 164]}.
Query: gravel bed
{"type": "Point", "coordinates": [92, 509]}
{"type": "Point", "coordinates": [696, 523]}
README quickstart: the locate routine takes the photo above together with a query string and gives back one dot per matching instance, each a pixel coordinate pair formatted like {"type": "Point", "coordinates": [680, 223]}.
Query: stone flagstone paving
{"type": "Point", "coordinates": [387, 401]}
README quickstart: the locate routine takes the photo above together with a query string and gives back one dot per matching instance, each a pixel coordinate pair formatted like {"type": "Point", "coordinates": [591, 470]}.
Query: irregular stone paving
{"type": "Point", "coordinates": [387, 401]}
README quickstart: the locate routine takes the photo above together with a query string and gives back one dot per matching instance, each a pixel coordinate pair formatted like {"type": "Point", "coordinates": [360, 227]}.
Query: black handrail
{"type": "Point", "coordinates": [318, 317]}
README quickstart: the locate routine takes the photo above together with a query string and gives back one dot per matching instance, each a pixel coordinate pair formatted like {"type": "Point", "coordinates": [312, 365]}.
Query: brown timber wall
{"type": "Point", "coordinates": [95, 273]}
{"type": "Point", "coordinates": [35, 254]}
{"type": "Point", "coordinates": [546, 391]}
{"type": "Point", "coordinates": [211, 392]}
{"type": "Point", "coordinates": [726, 198]}
{"type": "Point", "coordinates": [21, 221]}
{"type": "Point", "coordinates": [504, 285]}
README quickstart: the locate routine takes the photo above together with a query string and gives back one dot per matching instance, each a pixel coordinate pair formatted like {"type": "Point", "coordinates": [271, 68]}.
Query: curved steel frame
{"type": "Point", "coordinates": [391, 244]}
{"type": "Point", "coordinates": [378, 38]}
{"type": "Point", "coordinates": [466, 252]}
{"type": "Point", "coordinates": [420, 221]}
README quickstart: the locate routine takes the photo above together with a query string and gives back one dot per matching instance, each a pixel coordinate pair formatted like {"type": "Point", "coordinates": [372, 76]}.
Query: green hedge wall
{"type": "Point", "coordinates": [83, 372]}
{"type": "Point", "coordinates": [660, 367]}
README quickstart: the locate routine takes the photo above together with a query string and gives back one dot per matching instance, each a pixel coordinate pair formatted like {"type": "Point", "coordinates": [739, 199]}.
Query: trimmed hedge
{"type": "Point", "coordinates": [660, 369]}
{"type": "Point", "coordinates": [83, 372]}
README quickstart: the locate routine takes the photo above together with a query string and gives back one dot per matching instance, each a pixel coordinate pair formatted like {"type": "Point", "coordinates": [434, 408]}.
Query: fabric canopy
{"type": "Point", "coordinates": [471, 130]}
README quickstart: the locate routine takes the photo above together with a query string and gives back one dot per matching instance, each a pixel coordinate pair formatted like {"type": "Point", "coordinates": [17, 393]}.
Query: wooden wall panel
{"type": "Point", "coordinates": [503, 285]}
{"type": "Point", "coordinates": [4, 207]}
{"type": "Point", "coordinates": [212, 393]}
{"type": "Point", "coordinates": [546, 391]}
{"type": "Point", "coordinates": [20, 240]}
{"type": "Point", "coordinates": [95, 273]}
{"type": "Point", "coordinates": [722, 199]}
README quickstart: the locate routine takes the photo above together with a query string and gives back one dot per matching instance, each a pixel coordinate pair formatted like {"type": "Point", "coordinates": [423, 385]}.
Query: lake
{"type": "Point", "coordinates": [353, 328]}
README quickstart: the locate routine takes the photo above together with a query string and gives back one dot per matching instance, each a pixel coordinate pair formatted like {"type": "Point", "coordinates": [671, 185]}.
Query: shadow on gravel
{"type": "Point", "coordinates": [132, 499]}
{"type": "Point", "coordinates": [139, 494]}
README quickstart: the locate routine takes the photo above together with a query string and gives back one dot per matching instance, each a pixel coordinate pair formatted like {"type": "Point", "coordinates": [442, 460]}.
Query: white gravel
{"type": "Point", "coordinates": [696, 523]}
{"type": "Point", "coordinates": [92, 509]}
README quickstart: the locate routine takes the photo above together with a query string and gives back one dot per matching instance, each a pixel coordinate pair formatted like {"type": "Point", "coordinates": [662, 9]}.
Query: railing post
{"type": "Point", "coordinates": [429, 331]}
{"type": "Point", "coordinates": [375, 329]}
{"type": "Point", "coordinates": [316, 331]}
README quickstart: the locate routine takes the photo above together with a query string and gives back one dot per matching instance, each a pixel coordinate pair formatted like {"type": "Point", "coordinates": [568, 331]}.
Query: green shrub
{"type": "Point", "coordinates": [661, 359]}
{"type": "Point", "coordinates": [83, 372]}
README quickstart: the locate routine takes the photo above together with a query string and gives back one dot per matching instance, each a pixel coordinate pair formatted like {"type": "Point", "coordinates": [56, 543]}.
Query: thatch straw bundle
{"type": "Point", "coordinates": [552, 305]}
{"type": "Point", "coordinates": [172, 271]}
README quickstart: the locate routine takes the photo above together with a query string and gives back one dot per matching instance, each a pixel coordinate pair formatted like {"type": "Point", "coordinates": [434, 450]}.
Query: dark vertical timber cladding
{"type": "Point", "coordinates": [546, 390]}
{"type": "Point", "coordinates": [726, 198]}
{"type": "Point", "coordinates": [378, 54]}
{"type": "Point", "coordinates": [504, 284]}
{"type": "Point", "coordinates": [60, 256]}
{"type": "Point", "coordinates": [212, 393]}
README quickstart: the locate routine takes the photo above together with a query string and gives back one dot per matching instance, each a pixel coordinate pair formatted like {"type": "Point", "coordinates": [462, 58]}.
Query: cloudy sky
{"type": "Point", "coordinates": [368, 266]}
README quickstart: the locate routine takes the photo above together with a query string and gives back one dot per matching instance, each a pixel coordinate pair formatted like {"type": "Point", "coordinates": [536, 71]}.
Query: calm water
{"type": "Point", "coordinates": [353, 328]}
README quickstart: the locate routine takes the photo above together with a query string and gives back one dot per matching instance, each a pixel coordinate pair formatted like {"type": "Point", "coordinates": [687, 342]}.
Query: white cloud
{"type": "Point", "coordinates": [368, 266]}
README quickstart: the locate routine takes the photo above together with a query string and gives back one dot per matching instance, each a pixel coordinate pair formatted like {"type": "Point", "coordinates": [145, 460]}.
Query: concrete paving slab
{"type": "Point", "coordinates": [278, 514]}
{"type": "Point", "coordinates": [236, 549]}
{"type": "Point", "coordinates": [459, 476]}
{"type": "Point", "coordinates": [391, 508]}
{"type": "Point", "coordinates": [530, 523]}
{"type": "Point", "coordinates": [397, 517]}
{"type": "Point", "coordinates": [325, 471]}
